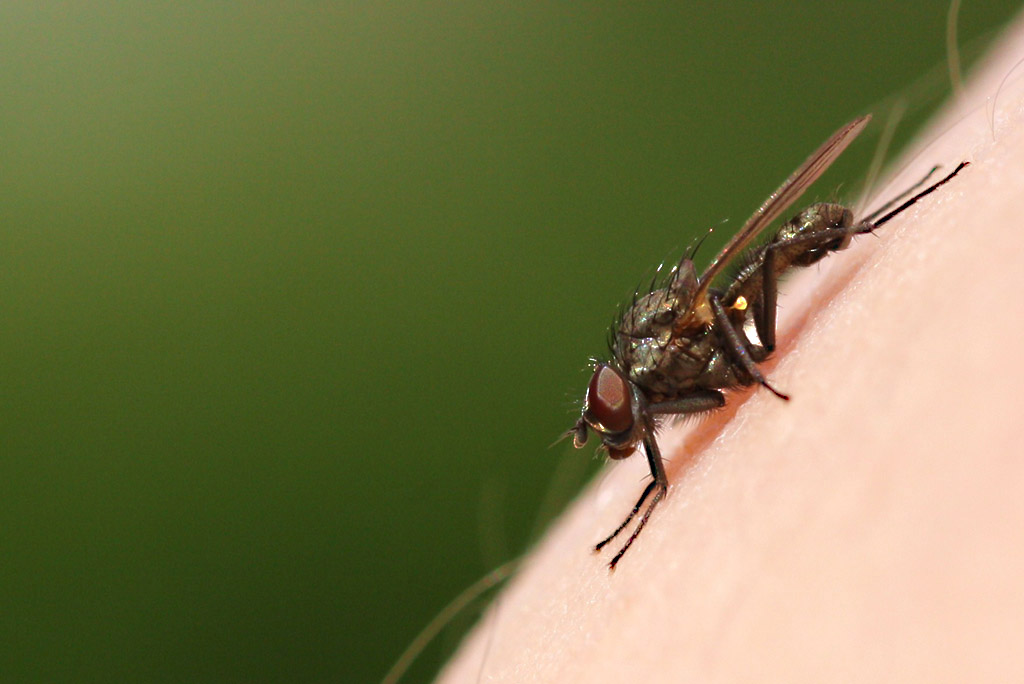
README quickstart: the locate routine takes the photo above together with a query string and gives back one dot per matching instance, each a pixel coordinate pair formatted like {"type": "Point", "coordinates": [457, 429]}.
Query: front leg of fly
{"type": "Point", "coordinates": [696, 402]}
{"type": "Point", "coordinates": [659, 485]}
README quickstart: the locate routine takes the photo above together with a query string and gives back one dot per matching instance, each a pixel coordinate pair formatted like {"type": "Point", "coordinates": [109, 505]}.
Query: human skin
{"type": "Point", "coordinates": [872, 528]}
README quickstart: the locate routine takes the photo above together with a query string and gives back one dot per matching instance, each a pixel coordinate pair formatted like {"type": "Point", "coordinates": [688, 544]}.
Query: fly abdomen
{"type": "Point", "coordinates": [813, 220]}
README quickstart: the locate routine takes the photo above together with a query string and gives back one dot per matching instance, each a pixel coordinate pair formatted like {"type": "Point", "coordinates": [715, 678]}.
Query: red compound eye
{"type": "Point", "coordinates": [608, 401]}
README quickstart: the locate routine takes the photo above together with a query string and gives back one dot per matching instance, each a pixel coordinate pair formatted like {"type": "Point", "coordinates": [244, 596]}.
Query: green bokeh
{"type": "Point", "coordinates": [292, 301]}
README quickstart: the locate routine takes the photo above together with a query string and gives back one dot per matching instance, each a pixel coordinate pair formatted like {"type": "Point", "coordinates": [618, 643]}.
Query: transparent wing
{"type": "Point", "coordinates": [780, 200]}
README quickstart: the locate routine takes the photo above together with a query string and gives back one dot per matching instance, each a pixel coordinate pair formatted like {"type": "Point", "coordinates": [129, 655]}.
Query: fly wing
{"type": "Point", "coordinates": [780, 200]}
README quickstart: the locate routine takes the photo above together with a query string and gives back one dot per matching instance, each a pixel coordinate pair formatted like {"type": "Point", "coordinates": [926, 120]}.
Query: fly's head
{"type": "Point", "coordinates": [613, 410]}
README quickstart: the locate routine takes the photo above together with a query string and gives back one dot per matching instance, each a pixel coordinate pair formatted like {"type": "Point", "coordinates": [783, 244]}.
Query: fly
{"type": "Point", "coordinates": [677, 347]}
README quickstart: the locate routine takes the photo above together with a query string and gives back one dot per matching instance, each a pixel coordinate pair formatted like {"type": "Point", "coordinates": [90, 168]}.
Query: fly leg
{"type": "Point", "coordinates": [697, 402]}
{"type": "Point", "coordinates": [660, 482]}
{"type": "Point", "coordinates": [913, 200]}
{"type": "Point", "coordinates": [809, 247]}
{"type": "Point", "coordinates": [740, 346]}
{"type": "Point", "coordinates": [829, 239]}
{"type": "Point", "coordinates": [885, 207]}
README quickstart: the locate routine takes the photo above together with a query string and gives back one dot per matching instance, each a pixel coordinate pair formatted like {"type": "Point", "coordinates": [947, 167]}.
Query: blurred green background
{"type": "Point", "coordinates": [293, 300]}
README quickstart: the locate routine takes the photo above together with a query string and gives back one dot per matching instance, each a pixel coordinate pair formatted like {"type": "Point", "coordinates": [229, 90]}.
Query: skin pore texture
{"type": "Point", "coordinates": [871, 528]}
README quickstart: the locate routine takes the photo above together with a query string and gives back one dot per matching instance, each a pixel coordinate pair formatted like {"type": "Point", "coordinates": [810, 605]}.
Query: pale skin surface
{"type": "Point", "coordinates": [871, 529]}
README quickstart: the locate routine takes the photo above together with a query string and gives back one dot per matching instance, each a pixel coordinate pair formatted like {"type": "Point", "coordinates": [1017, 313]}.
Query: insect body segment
{"type": "Point", "coordinates": [677, 347]}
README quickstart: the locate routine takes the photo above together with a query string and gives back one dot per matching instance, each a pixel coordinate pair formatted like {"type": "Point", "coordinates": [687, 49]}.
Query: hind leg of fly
{"type": "Point", "coordinates": [831, 240]}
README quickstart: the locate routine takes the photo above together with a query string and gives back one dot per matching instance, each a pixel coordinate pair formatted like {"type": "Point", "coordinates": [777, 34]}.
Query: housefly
{"type": "Point", "coordinates": [678, 346]}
